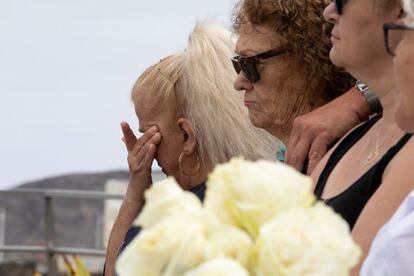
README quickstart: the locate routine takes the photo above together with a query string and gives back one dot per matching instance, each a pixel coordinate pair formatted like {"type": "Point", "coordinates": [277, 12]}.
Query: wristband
{"type": "Point", "coordinates": [370, 97]}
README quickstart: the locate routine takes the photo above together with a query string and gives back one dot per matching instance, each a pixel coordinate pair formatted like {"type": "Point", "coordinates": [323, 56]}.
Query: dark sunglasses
{"type": "Point", "coordinates": [393, 34]}
{"type": "Point", "coordinates": [248, 64]}
{"type": "Point", "coordinates": [339, 5]}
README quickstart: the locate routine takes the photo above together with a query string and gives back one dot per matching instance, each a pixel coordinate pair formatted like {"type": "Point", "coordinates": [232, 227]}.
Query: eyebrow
{"type": "Point", "coordinates": [246, 52]}
{"type": "Point", "coordinates": [250, 52]}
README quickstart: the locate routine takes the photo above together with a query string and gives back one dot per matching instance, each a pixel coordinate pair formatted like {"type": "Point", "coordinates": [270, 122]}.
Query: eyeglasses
{"type": "Point", "coordinates": [339, 5]}
{"type": "Point", "coordinates": [248, 64]}
{"type": "Point", "coordinates": [393, 34]}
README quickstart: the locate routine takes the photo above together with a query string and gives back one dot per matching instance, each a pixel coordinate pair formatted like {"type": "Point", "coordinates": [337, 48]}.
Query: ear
{"type": "Point", "coordinates": [188, 134]}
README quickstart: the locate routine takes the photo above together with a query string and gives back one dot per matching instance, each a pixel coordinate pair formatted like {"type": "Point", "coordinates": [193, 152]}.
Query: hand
{"type": "Point", "coordinates": [313, 133]}
{"type": "Point", "coordinates": [141, 153]}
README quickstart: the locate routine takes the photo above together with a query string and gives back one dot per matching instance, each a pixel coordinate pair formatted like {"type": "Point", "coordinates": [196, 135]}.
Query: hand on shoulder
{"type": "Point", "coordinates": [315, 132]}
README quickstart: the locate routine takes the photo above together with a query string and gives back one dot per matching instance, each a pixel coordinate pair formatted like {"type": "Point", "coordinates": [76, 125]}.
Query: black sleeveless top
{"type": "Point", "coordinates": [349, 203]}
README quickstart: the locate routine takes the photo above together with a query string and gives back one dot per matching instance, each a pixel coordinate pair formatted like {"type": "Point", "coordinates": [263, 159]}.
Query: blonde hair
{"type": "Point", "coordinates": [197, 84]}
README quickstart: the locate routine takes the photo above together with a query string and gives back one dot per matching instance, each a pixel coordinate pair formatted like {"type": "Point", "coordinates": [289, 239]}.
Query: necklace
{"type": "Point", "coordinates": [373, 155]}
{"type": "Point", "coordinates": [375, 152]}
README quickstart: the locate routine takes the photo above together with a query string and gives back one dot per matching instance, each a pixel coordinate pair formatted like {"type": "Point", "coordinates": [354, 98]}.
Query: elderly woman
{"type": "Point", "coordinates": [283, 63]}
{"type": "Point", "coordinates": [367, 174]}
{"type": "Point", "coordinates": [392, 249]}
{"type": "Point", "coordinates": [192, 119]}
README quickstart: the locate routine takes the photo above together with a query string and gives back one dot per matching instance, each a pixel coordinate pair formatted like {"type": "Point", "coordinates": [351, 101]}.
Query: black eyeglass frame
{"type": "Point", "coordinates": [247, 64]}
{"type": "Point", "coordinates": [339, 5]}
{"type": "Point", "coordinates": [393, 26]}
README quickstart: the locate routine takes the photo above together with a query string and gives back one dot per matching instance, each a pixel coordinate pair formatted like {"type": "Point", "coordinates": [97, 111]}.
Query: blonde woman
{"type": "Point", "coordinates": [192, 119]}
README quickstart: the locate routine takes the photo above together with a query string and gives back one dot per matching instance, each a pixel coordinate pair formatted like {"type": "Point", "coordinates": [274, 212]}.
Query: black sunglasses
{"type": "Point", "coordinates": [393, 34]}
{"type": "Point", "coordinates": [248, 64]}
{"type": "Point", "coordinates": [339, 5]}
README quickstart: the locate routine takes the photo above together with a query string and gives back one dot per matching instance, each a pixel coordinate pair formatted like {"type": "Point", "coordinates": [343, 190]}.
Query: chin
{"type": "Point", "coordinates": [335, 57]}
{"type": "Point", "coordinates": [254, 120]}
{"type": "Point", "coordinates": [259, 123]}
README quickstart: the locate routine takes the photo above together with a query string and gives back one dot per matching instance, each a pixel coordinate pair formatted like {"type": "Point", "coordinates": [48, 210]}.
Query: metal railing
{"type": "Point", "coordinates": [50, 249]}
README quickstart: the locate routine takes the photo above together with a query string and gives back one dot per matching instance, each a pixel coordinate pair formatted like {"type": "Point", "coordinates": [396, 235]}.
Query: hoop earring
{"type": "Point", "coordinates": [180, 159]}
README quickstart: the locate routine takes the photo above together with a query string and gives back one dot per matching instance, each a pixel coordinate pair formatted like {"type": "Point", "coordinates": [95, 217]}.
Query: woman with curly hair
{"type": "Point", "coordinates": [283, 64]}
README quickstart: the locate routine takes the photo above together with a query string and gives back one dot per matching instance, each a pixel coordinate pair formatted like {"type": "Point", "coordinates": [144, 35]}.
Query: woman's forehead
{"type": "Point", "coordinates": [255, 39]}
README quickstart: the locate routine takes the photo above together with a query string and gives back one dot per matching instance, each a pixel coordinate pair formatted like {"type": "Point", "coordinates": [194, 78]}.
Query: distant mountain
{"type": "Point", "coordinates": [82, 181]}
{"type": "Point", "coordinates": [78, 222]}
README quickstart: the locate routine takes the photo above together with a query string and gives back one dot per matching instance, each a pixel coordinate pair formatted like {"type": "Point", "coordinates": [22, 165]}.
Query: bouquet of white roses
{"type": "Point", "coordinates": [258, 218]}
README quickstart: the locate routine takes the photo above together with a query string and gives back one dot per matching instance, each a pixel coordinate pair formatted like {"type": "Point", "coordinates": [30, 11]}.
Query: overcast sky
{"type": "Point", "coordinates": [66, 70]}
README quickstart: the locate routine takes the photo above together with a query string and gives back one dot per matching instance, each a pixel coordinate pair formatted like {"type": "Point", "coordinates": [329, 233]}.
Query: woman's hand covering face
{"type": "Point", "coordinates": [141, 154]}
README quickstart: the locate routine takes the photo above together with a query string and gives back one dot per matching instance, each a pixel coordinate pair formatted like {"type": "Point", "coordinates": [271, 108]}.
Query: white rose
{"type": "Point", "coordinates": [164, 199]}
{"type": "Point", "coordinates": [169, 248]}
{"type": "Point", "coordinates": [248, 194]}
{"type": "Point", "coordinates": [229, 242]}
{"type": "Point", "coordinates": [219, 267]}
{"type": "Point", "coordinates": [313, 241]}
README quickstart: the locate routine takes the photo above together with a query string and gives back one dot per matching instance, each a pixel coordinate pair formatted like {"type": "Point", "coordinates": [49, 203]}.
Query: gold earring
{"type": "Point", "coordinates": [180, 159]}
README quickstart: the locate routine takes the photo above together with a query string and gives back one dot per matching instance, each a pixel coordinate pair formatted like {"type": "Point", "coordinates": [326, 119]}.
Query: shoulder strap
{"type": "Point", "coordinates": [382, 164]}
{"type": "Point", "coordinates": [346, 143]}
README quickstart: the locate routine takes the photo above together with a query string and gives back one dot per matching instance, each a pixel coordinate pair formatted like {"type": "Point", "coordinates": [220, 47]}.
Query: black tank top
{"type": "Point", "coordinates": [350, 202]}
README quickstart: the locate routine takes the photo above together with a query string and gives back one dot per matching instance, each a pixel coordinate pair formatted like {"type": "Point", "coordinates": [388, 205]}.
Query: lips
{"type": "Point", "coordinates": [335, 36]}
{"type": "Point", "coordinates": [248, 103]}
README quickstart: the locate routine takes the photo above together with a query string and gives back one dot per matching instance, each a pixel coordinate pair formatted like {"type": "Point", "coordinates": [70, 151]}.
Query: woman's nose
{"type": "Point", "coordinates": [330, 13]}
{"type": "Point", "coordinates": [241, 83]}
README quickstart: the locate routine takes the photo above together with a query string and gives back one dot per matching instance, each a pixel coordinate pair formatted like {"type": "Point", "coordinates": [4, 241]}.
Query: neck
{"type": "Point", "coordinates": [388, 103]}
{"type": "Point", "coordinates": [281, 131]}
{"type": "Point", "coordinates": [188, 182]}
{"type": "Point", "coordinates": [307, 101]}
{"type": "Point", "coordinates": [384, 88]}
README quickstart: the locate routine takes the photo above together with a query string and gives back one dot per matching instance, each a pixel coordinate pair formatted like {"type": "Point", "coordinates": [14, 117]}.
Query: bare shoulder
{"type": "Point", "coordinates": [397, 182]}
{"type": "Point", "coordinates": [401, 168]}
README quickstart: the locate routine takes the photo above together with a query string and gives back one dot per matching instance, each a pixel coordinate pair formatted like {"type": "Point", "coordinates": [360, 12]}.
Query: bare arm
{"type": "Point", "coordinates": [397, 183]}
{"type": "Point", "coordinates": [313, 133]}
{"type": "Point", "coordinates": [126, 215]}
{"type": "Point", "coordinates": [141, 153]}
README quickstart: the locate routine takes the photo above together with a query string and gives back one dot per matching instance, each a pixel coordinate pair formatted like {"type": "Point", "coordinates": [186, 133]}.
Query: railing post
{"type": "Point", "coordinates": [2, 230]}
{"type": "Point", "coordinates": [50, 236]}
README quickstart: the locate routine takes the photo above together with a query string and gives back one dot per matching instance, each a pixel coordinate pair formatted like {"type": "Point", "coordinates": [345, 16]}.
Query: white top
{"type": "Point", "coordinates": [392, 251]}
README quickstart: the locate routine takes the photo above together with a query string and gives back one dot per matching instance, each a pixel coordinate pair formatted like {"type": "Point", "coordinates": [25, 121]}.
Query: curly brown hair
{"type": "Point", "coordinates": [305, 36]}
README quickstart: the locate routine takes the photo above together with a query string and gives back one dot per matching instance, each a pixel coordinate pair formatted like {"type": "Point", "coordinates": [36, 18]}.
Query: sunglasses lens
{"type": "Point", "coordinates": [339, 4]}
{"type": "Point", "coordinates": [236, 65]}
{"type": "Point", "coordinates": [249, 67]}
